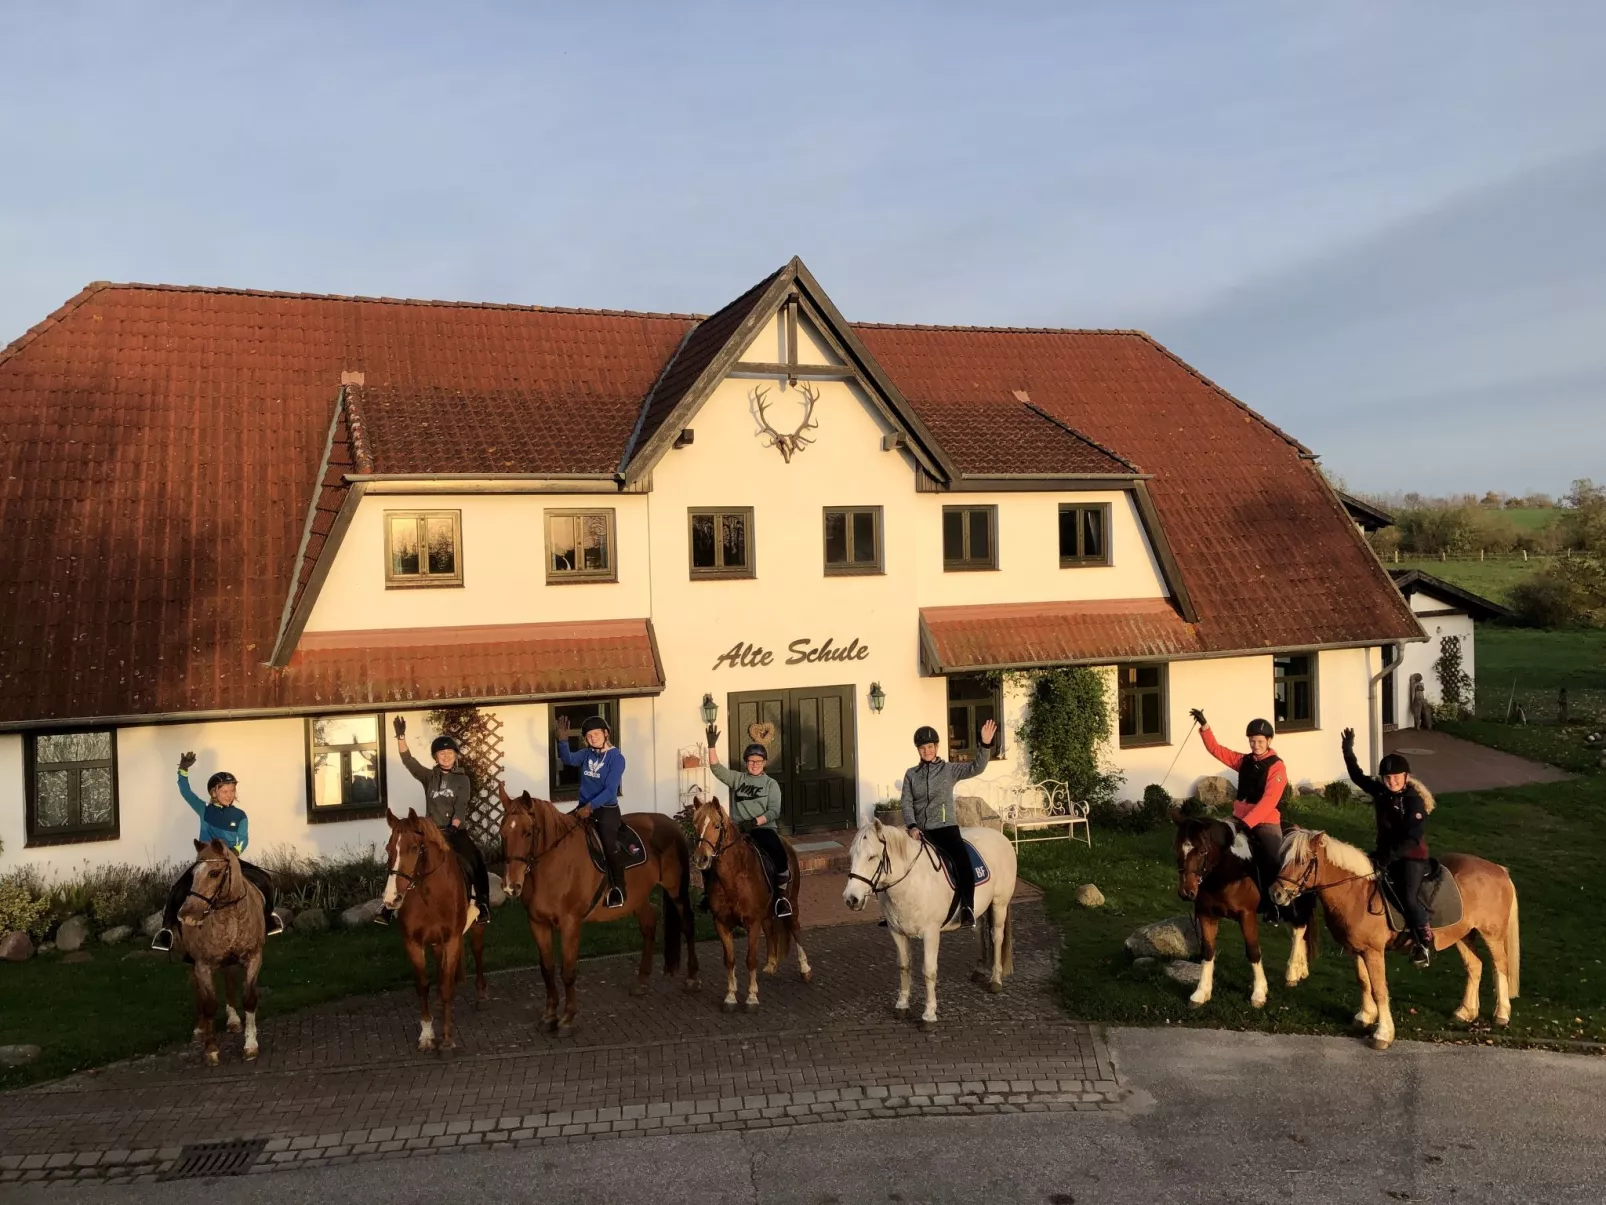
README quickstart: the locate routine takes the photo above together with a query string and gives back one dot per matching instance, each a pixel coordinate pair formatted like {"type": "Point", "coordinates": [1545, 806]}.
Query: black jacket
{"type": "Point", "coordinates": [1402, 816]}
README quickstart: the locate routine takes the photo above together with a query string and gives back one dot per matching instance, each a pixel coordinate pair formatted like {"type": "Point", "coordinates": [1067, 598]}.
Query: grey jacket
{"type": "Point", "coordinates": [447, 793]}
{"type": "Point", "coordinates": [752, 796]}
{"type": "Point", "coordinates": [928, 790]}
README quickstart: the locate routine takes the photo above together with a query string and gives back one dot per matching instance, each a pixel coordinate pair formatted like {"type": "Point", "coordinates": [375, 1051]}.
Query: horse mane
{"type": "Point", "coordinates": [1296, 848]}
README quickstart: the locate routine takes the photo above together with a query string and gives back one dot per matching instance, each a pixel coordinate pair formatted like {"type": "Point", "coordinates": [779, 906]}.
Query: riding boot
{"type": "Point", "coordinates": [384, 916]}
{"type": "Point", "coordinates": [967, 916]}
{"type": "Point", "coordinates": [1422, 955]}
{"type": "Point", "coordinates": [163, 941]}
{"type": "Point", "coordinates": [483, 903]}
{"type": "Point", "coordinates": [616, 878]}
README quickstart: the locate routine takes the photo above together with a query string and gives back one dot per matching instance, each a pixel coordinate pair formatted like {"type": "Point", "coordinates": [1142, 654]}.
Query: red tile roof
{"type": "Point", "coordinates": [1003, 635]}
{"type": "Point", "coordinates": [1017, 439]}
{"type": "Point", "coordinates": [536, 660]}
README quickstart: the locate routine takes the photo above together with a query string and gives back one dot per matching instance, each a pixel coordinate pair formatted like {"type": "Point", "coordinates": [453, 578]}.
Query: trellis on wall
{"type": "Point", "coordinates": [479, 738]}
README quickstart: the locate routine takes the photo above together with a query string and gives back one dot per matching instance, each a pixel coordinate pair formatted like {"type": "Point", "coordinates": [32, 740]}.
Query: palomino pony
{"type": "Point", "coordinates": [1343, 878]}
{"type": "Point", "coordinates": [739, 896]}
{"type": "Point", "coordinates": [916, 899]}
{"type": "Point", "coordinates": [429, 893]}
{"type": "Point", "coordinates": [219, 934]}
{"type": "Point", "coordinates": [549, 867]}
{"type": "Point", "coordinates": [1215, 870]}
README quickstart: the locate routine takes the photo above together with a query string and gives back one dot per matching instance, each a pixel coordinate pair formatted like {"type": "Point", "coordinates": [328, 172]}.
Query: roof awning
{"type": "Point", "coordinates": [1025, 635]}
{"type": "Point", "coordinates": [508, 661]}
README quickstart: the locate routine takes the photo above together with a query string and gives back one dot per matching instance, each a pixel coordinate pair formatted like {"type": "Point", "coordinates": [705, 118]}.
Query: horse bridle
{"type": "Point", "coordinates": [882, 867]}
{"type": "Point", "coordinates": [717, 845]}
{"type": "Point", "coordinates": [531, 858]}
{"type": "Point", "coordinates": [414, 879]}
{"type": "Point", "coordinates": [1309, 875]}
{"type": "Point", "coordinates": [211, 901]}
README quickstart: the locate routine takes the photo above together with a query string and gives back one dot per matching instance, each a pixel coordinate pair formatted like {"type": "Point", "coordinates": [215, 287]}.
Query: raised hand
{"type": "Point", "coordinates": [399, 726]}
{"type": "Point", "coordinates": [1198, 718]}
{"type": "Point", "coordinates": [1349, 738]}
{"type": "Point", "coordinates": [713, 736]}
{"type": "Point", "coordinates": [564, 730]}
{"type": "Point", "coordinates": [988, 731]}
{"type": "Point", "coordinates": [185, 762]}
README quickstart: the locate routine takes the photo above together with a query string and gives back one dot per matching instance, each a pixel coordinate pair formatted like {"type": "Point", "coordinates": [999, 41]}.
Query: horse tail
{"type": "Point", "coordinates": [1009, 942]}
{"type": "Point", "coordinates": [677, 910]}
{"type": "Point", "coordinates": [1513, 947]}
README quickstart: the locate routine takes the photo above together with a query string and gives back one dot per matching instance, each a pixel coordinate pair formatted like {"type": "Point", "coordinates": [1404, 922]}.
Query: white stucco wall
{"type": "Point", "coordinates": [1420, 658]}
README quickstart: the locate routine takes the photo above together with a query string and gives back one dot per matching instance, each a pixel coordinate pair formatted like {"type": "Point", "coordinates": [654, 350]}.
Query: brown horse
{"type": "Point", "coordinates": [739, 896]}
{"type": "Point", "coordinates": [1343, 878]}
{"type": "Point", "coordinates": [550, 869]}
{"type": "Point", "coordinates": [1215, 870]}
{"type": "Point", "coordinates": [429, 893]}
{"type": "Point", "coordinates": [218, 933]}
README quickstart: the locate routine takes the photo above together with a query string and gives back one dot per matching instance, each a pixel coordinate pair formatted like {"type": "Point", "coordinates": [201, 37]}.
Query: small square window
{"type": "Point", "coordinates": [1142, 705]}
{"type": "Point", "coordinates": [969, 537]}
{"type": "Point", "coordinates": [345, 766]}
{"type": "Point", "coordinates": [423, 548]}
{"type": "Point", "coordinates": [579, 546]}
{"type": "Point", "coordinates": [1293, 690]}
{"type": "Point", "coordinates": [1084, 533]}
{"type": "Point", "coordinates": [722, 542]}
{"type": "Point", "coordinates": [853, 540]}
{"type": "Point", "coordinates": [973, 699]}
{"type": "Point", "coordinates": [71, 786]}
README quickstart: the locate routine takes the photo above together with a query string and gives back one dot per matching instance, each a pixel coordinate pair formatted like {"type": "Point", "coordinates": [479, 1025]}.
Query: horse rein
{"type": "Point", "coordinates": [414, 879]}
{"type": "Point", "coordinates": [883, 865]}
{"type": "Point", "coordinates": [211, 901]}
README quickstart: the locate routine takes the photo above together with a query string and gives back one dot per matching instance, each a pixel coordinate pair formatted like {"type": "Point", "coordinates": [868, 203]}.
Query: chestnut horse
{"type": "Point", "coordinates": [549, 867]}
{"type": "Point", "coordinates": [1215, 869]}
{"type": "Point", "coordinates": [1344, 879]}
{"type": "Point", "coordinates": [218, 934]}
{"type": "Point", "coordinates": [739, 897]}
{"type": "Point", "coordinates": [429, 893]}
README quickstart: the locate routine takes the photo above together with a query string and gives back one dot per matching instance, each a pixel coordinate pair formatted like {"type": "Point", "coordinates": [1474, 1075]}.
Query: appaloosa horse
{"type": "Point", "coordinates": [918, 901]}
{"type": "Point", "coordinates": [429, 892]}
{"type": "Point", "coordinates": [1215, 869]}
{"type": "Point", "coordinates": [217, 933]}
{"type": "Point", "coordinates": [739, 897]}
{"type": "Point", "coordinates": [1345, 881]}
{"type": "Point", "coordinates": [549, 867]}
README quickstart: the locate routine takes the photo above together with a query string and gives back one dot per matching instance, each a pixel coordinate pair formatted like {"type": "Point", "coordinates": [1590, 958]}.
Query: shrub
{"type": "Point", "coordinates": [1066, 731]}
{"type": "Point", "coordinates": [1455, 686]}
{"type": "Point", "coordinates": [24, 902]}
{"type": "Point", "coordinates": [1338, 791]}
{"type": "Point", "coordinates": [332, 883]}
{"type": "Point", "coordinates": [1142, 816]}
{"type": "Point", "coordinates": [1570, 592]}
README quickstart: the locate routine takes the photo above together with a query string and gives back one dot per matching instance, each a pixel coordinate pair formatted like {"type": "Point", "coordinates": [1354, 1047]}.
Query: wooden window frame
{"type": "Point", "coordinates": [970, 564]}
{"type": "Point", "coordinates": [424, 580]}
{"type": "Point", "coordinates": [606, 706]}
{"type": "Point", "coordinates": [852, 568]}
{"type": "Point", "coordinates": [345, 811]}
{"type": "Point", "coordinates": [721, 572]}
{"type": "Point", "coordinates": [575, 577]}
{"type": "Point", "coordinates": [1143, 740]}
{"type": "Point", "coordinates": [78, 834]}
{"type": "Point", "coordinates": [1106, 558]}
{"type": "Point", "coordinates": [1312, 722]}
{"type": "Point", "coordinates": [997, 688]}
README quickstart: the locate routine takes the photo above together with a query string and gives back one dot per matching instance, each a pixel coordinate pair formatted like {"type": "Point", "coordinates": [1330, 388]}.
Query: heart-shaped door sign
{"type": "Point", "coordinates": [762, 733]}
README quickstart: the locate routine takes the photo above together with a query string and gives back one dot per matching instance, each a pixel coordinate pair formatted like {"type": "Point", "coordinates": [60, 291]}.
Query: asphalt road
{"type": "Point", "coordinates": [1213, 1117]}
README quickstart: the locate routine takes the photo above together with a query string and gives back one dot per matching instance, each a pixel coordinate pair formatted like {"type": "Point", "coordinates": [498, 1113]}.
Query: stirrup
{"type": "Point", "coordinates": [275, 924]}
{"type": "Point", "coordinates": [615, 898]}
{"type": "Point", "coordinates": [163, 941]}
{"type": "Point", "coordinates": [484, 918]}
{"type": "Point", "coordinates": [967, 917]}
{"type": "Point", "coordinates": [783, 907]}
{"type": "Point", "coordinates": [384, 916]}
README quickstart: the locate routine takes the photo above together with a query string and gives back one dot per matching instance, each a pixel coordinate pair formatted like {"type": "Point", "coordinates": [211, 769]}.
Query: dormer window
{"type": "Point", "coordinates": [423, 548]}
{"type": "Point", "coordinates": [1084, 533]}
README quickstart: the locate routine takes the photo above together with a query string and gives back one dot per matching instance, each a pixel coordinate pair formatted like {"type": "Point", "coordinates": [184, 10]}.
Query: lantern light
{"type": "Point", "coordinates": [878, 697]}
{"type": "Point", "coordinates": [710, 709]}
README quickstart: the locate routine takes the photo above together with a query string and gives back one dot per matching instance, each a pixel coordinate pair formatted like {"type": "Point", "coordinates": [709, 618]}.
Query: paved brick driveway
{"type": "Point", "coordinates": [344, 1082]}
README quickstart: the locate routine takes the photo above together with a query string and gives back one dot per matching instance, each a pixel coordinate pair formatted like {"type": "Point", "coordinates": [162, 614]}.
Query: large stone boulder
{"type": "Point", "coordinates": [117, 933]}
{"type": "Point", "coordinates": [359, 915]}
{"type": "Point", "coordinates": [498, 891]}
{"type": "Point", "coordinates": [1184, 972]}
{"type": "Point", "coordinates": [72, 933]}
{"type": "Point", "coordinates": [1174, 937]}
{"type": "Point", "coordinates": [16, 946]}
{"type": "Point", "coordinates": [313, 920]}
{"type": "Point", "coordinates": [974, 812]}
{"type": "Point", "coordinates": [17, 1055]}
{"type": "Point", "coordinates": [1216, 792]}
{"type": "Point", "coordinates": [151, 925]}
{"type": "Point", "coordinates": [1089, 896]}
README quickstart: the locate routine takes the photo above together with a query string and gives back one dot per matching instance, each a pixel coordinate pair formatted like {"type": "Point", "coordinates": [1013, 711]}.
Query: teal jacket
{"type": "Point", "coordinates": [226, 824]}
{"type": "Point", "coordinates": [752, 795]}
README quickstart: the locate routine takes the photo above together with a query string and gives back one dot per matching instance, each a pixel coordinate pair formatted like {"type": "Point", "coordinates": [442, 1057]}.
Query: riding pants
{"type": "Point", "coordinates": [950, 843]}
{"type": "Point", "coordinates": [608, 820]}
{"type": "Point", "coordinates": [464, 846]}
{"type": "Point", "coordinates": [770, 845]}
{"type": "Point", "coordinates": [180, 891]}
{"type": "Point", "coordinates": [1406, 875]}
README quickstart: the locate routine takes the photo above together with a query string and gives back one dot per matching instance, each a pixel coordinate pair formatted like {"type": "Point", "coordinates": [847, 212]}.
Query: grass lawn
{"type": "Point", "coordinates": [1551, 837]}
{"type": "Point", "coordinates": [116, 1007]}
{"type": "Point", "coordinates": [1532, 518]}
{"type": "Point", "coordinates": [1494, 579]}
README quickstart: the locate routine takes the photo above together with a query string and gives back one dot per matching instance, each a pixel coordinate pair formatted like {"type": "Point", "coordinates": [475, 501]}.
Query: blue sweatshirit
{"type": "Point", "coordinates": [226, 824]}
{"type": "Point", "coordinates": [600, 773]}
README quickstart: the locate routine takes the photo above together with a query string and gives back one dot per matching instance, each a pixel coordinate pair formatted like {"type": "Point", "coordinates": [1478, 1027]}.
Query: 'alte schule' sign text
{"type": "Point", "coordinates": [801, 651]}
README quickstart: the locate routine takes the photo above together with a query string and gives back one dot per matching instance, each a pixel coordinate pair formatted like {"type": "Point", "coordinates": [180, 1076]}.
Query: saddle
{"type": "Point", "coordinates": [1440, 895]}
{"type": "Point", "coordinates": [632, 849]}
{"type": "Point", "coordinates": [978, 868]}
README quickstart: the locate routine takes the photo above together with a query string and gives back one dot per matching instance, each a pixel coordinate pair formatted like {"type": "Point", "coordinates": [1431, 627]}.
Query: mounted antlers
{"type": "Point", "coordinates": [792, 442]}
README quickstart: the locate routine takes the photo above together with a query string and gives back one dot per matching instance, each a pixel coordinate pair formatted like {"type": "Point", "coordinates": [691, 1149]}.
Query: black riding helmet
{"type": "Point", "coordinates": [925, 735]}
{"type": "Point", "coordinates": [220, 779]}
{"type": "Point", "coordinates": [755, 750]}
{"type": "Point", "coordinates": [592, 724]}
{"type": "Point", "coordinates": [1260, 728]}
{"type": "Point", "coordinates": [1393, 763]}
{"type": "Point", "coordinates": [444, 742]}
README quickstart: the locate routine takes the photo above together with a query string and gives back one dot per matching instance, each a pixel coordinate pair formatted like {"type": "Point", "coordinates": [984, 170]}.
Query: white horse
{"type": "Point", "coordinates": [916, 898]}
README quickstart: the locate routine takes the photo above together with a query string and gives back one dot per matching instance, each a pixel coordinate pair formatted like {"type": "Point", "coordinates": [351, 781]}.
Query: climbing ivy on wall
{"type": "Point", "coordinates": [1066, 731]}
{"type": "Point", "coordinates": [1455, 685]}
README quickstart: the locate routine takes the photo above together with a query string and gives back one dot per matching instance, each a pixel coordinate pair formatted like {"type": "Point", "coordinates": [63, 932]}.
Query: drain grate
{"type": "Point", "coordinates": [233, 1158]}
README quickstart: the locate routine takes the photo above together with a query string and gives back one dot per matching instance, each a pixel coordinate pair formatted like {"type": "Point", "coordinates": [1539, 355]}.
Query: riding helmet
{"type": "Point", "coordinates": [926, 735]}
{"type": "Point", "coordinates": [593, 724]}
{"type": "Point", "coordinates": [1260, 728]}
{"type": "Point", "coordinates": [755, 750]}
{"type": "Point", "coordinates": [221, 778]}
{"type": "Point", "coordinates": [444, 742]}
{"type": "Point", "coordinates": [1393, 763]}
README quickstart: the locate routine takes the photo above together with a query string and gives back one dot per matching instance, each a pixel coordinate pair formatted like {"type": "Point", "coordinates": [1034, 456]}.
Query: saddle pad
{"type": "Point", "coordinates": [632, 849]}
{"type": "Point", "coordinates": [1440, 896]}
{"type": "Point", "coordinates": [977, 866]}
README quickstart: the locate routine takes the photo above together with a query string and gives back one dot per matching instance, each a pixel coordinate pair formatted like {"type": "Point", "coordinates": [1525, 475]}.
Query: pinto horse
{"type": "Point", "coordinates": [739, 897]}
{"type": "Point", "coordinates": [1345, 881]}
{"type": "Point", "coordinates": [429, 893]}
{"type": "Point", "coordinates": [1215, 869]}
{"type": "Point", "coordinates": [549, 867]}
{"type": "Point", "coordinates": [217, 933]}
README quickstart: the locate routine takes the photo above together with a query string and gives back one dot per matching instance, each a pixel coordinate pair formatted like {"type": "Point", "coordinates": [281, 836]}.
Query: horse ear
{"type": "Point", "coordinates": [501, 792]}
{"type": "Point", "coordinates": [199, 846]}
{"type": "Point", "coordinates": [875, 826]}
{"type": "Point", "coordinates": [412, 815]}
{"type": "Point", "coordinates": [390, 819]}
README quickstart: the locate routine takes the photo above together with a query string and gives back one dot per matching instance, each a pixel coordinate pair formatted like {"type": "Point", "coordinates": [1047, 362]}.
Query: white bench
{"type": "Point", "coordinates": [1046, 810]}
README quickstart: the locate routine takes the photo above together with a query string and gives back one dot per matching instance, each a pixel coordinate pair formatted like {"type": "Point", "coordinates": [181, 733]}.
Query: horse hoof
{"type": "Point", "coordinates": [550, 1024]}
{"type": "Point", "coordinates": [426, 1045]}
{"type": "Point", "coordinates": [251, 1053]}
{"type": "Point", "coordinates": [693, 984]}
{"type": "Point", "coordinates": [727, 1006]}
{"type": "Point", "coordinates": [1461, 1014]}
{"type": "Point", "coordinates": [481, 995]}
{"type": "Point", "coordinates": [901, 1011]}
{"type": "Point", "coordinates": [638, 989]}
{"type": "Point", "coordinates": [1503, 1022]}
{"type": "Point", "coordinates": [1260, 1003]}
{"type": "Point", "coordinates": [1379, 1043]}
{"type": "Point", "coordinates": [808, 976]}
{"type": "Point", "coordinates": [979, 976]}
{"type": "Point", "coordinates": [236, 1027]}
{"type": "Point", "coordinates": [751, 1006]}
{"type": "Point", "coordinates": [928, 1026]}
{"type": "Point", "coordinates": [211, 1058]}
{"type": "Point", "coordinates": [1194, 1002]}
{"type": "Point", "coordinates": [566, 1028]}
{"type": "Point", "coordinates": [769, 968]}
{"type": "Point", "coordinates": [994, 987]}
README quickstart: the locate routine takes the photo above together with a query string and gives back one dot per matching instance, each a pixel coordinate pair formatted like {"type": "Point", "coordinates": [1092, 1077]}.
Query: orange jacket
{"type": "Point", "coordinates": [1254, 812]}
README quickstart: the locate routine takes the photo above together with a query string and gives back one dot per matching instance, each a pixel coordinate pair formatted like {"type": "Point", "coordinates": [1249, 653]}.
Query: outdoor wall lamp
{"type": "Point", "coordinates": [710, 709]}
{"type": "Point", "coordinates": [878, 697]}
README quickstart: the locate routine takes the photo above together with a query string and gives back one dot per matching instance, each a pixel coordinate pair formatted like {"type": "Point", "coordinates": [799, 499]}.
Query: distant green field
{"type": "Point", "coordinates": [1494, 579]}
{"type": "Point", "coordinates": [1533, 519]}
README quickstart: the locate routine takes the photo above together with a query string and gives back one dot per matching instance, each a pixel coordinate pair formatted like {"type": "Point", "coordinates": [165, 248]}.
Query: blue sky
{"type": "Point", "coordinates": [1378, 223]}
